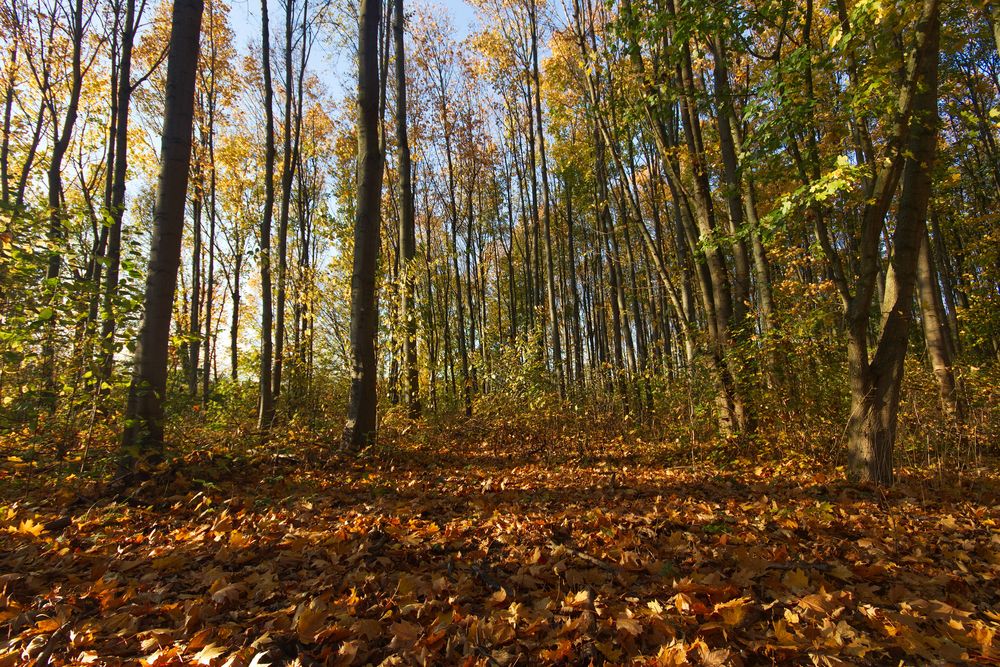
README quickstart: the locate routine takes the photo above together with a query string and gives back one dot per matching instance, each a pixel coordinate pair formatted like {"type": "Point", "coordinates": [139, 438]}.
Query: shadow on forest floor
{"type": "Point", "coordinates": [454, 552]}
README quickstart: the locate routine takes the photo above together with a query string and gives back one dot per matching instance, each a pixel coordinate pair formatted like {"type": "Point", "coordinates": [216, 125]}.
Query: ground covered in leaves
{"type": "Point", "coordinates": [421, 554]}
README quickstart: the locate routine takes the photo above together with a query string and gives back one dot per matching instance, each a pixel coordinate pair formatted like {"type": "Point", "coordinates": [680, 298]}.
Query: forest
{"type": "Point", "coordinates": [499, 332]}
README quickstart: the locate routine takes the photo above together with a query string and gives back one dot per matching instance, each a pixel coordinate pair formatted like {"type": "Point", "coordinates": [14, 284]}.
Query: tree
{"type": "Point", "coordinates": [362, 403]}
{"type": "Point", "coordinates": [143, 433]}
{"type": "Point", "coordinates": [407, 220]}
{"type": "Point", "coordinates": [266, 415]}
{"type": "Point", "coordinates": [876, 382]}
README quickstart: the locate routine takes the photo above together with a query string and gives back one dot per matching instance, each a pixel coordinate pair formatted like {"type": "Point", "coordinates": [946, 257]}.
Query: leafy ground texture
{"type": "Point", "coordinates": [457, 554]}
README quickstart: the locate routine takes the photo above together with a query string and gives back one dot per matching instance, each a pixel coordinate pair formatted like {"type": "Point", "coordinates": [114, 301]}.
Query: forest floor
{"type": "Point", "coordinates": [452, 552]}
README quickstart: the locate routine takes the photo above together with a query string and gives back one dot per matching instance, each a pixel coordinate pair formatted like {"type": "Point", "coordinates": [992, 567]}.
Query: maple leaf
{"type": "Point", "coordinates": [628, 625]}
{"type": "Point", "coordinates": [796, 580]}
{"type": "Point", "coordinates": [30, 527]}
{"type": "Point", "coordinates": [309, 618]}
{"type": "Point", "coordinates": [209, 653]}
{"type": "Point", "coordinates": [733, 612]}
{"type": "Point", "coordinates": [404, 633]}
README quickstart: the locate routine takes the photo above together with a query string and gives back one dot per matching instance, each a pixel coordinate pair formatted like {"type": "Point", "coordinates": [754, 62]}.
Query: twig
{"type": "Point", "coordinates": [587, 557]}
{"type": "Point", "coordinates": [796, 564]}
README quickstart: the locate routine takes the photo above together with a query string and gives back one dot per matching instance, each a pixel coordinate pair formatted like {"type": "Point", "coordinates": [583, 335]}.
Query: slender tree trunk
{"type": "Point", "coordinates": [194, 324]}
{"type": "Point", "coordinates": [117, 204]}
{"type": "Point", "coordinates": [55, 192]}
{"type": "Point", "coordinates": [234, 329]}
{"type": "Point", "coordinates": [459, 303]}
{"type": "Point", "coordinates": [143, 433]}
{"type": "Point", "coordinates": [940, 348]}
{"type": "Point", "coordinates": [361, 411]}
{"type": "Point", "coordinates": [287, 175]}
{"type": "Point", "coordinates": [574, 291]}
{"type": "Point", "coordinates": [266, 416]}
{"type": "Point", "coordinates": [550, 282]}
{"type": "Point", "coordinates": [8, 107]}
{"type": "Point", "coordinates": [210, 281]}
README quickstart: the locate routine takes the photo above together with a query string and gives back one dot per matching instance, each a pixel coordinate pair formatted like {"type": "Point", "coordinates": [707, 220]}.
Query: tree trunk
{"type": "Point", "coordinates": [266, 416]}
{"type": "Point", "coordinates": [143, 433]}
{"type": "Point", "coordinates": [287, 174]}
{"type": "Point", "coordinates": [550, 282]}
{"type": "Point", "coordinates": [194, 323]}
{"type": "Point", "coordinates": [875, 386]}
{"type": "Point", "coordinates": [117, 204]}
{"type": "Point", "coordinates": [234, 329]}
{"type": "Point", "coordinates": [940, 348]}
{"type": "Point", "coordinates": [210, 278]}
{"type": "Point", "coordinates": [361, 409]}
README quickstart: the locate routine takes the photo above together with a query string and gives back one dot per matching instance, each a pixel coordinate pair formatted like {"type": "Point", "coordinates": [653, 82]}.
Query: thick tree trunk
{"type": "Point", "coordinates": [875, 385]}
{"type": "Point", "coordinates": [361, 409]}
{"type": "Point", "coordinates": [143, 433]}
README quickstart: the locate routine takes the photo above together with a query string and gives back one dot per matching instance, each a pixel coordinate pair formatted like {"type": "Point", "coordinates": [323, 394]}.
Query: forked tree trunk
{"type": "Point", "coordinates": [361, 409]}
{"type": "Point", "coordinates": [875, 385]}
{"type": "Point", "coordinates": [143, 433]}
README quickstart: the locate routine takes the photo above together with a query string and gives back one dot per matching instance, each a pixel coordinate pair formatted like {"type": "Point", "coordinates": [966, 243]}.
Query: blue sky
{"type": "Point", "coordinates": [245, 19]}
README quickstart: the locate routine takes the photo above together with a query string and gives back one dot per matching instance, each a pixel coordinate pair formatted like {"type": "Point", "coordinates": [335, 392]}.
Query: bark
{"type": "Point", "coordinates": [194, 327]}
{"type": "Point", "coordinates": [550, 284]}
{"type": "Point", "coordinates": [937, 337]}
{"type": "Point", "coordinates": [234, 328]}
{"type": "Point", "coordinates": [875, 385]}
{"type": "Point", "coordinates": [60, 145]}
{"type": "Point", "coordinates": [266, 416]}
{"type": "Point", "coordinates": [143, 432]}
{"type": "Point", "coordinates": [210, 281]}
{"type": "Point", "coordinates": [8, 106]}
{"type": "Point", "coordinates": [361, 411]}
{"type": "Point", "coordinates": [287, 175]}
{"type": "Point", "coordinates": [117, 205]}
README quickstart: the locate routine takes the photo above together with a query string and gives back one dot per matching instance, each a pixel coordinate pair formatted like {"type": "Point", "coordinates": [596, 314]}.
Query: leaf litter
{"type": "Point", "coordinates": [423, 557]}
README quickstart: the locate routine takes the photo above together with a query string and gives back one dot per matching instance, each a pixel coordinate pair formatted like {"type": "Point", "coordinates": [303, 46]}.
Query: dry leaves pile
{"type": "Point", "coordinates": [475, 561]}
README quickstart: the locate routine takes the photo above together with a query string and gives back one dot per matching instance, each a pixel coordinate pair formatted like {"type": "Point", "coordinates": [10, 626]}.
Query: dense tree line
{"type": "Point", "coordinates": [730, 214]}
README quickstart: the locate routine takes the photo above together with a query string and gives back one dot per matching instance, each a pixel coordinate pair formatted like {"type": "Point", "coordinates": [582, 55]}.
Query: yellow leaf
{"type": "Point", "coordinates": [781, 633]}
{"type": "Point", "coordinates": [30, 527]}
{"type": "Point", "coordinates": [734, 611]}
{"type": "Point", "coordinates": [206, 655]}
{"type": "Point", "coordinates": [238, 540]}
